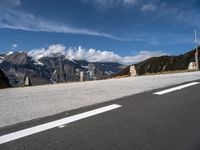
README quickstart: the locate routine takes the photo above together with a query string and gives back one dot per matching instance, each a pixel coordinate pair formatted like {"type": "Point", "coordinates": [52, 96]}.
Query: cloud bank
{"type": "Point", "coordinates": [51, 51]}
{"type": "Point", "coordinates": [91, 55]}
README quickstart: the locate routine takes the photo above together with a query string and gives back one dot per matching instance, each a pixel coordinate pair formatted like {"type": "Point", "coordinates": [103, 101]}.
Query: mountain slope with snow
{"type": "Point", "coordinates": [54, 68]}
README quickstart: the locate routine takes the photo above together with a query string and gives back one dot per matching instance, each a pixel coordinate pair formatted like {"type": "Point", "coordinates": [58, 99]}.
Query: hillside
{"type": "Point", "coordinates": [4, 83]}
{"type": "Point", "coordinates": [161, 64]}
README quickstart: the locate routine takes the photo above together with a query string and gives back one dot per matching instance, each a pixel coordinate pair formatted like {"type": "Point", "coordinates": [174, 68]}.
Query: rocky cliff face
{"type": "Point", "coordinates": [57, 69]}
{"type": "Point", "coordinates": [161, 64]}
{"type": "Point", "coordinates": [4, 83]}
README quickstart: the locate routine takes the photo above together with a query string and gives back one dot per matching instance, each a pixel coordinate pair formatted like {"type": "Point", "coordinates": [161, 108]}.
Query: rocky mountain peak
{"type": "Point", "coordinates": [52, 69]}
{"type": "Point", "coordinates": [17, 58]}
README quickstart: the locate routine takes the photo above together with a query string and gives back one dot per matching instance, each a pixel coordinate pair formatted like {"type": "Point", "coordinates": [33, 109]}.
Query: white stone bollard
{"type": "Point", "coordinates": [192, 66]}
{"type": "Point", "coordinates": [133, 71]}
{"type": "Point", "coordinates": [81, 76]}
{"type": "Point", "coordinates": [27, 81]}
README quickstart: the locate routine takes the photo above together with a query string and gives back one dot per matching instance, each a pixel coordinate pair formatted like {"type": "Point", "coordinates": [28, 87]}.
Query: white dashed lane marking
{"type": "Point", "coordinates": [176, 88]}
{"type": "Point", "coordinates": [58, 123]}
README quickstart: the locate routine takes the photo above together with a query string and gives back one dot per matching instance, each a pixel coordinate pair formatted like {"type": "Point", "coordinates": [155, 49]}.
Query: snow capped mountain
{"type": "Point", "coordinates": [52, 68]}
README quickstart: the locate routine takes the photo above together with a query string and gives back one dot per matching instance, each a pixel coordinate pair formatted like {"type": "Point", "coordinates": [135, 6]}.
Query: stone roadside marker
{"type": "Point", "coordinates": [81, 76]}
{"type": "Point", "coordinates": [133, 71]}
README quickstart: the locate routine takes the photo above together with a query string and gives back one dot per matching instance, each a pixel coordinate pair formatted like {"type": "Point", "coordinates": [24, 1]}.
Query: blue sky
{"type": "Point", "coordinates": [127, 28]}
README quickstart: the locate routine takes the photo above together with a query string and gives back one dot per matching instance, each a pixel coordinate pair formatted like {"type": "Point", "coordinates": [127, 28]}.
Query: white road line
{"type": "Point", "coordinates": [176, 88]}
{"type": "Point", "coordinates": [53, 124]}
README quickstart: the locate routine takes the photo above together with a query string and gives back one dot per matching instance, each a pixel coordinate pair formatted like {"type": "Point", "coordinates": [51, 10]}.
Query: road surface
{"type": "Point", "coordinates": [161, 119]}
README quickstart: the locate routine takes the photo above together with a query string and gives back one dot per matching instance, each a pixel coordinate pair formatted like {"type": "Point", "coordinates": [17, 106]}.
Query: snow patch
{"type": "Point", "coordinates": [54, 72]}
{"type": "Point", "coordinates": [109, 72]}
{"type": "Point", "coordinates": [9, 53]}
{"type": "Point", "coordinates": [38, 63]}
{"type": "Point", "coordinates": [1, 59]}
{"type": "Point", "coordinates": [72, 60]}
{"type": "Point", "coordinates": [86, 67]}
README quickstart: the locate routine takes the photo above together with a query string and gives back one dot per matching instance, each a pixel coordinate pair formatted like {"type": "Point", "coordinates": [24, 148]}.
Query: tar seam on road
{"type": "Point", "coordinates": [176, 88]}
{"type": "Point", "coordinates": [53, 124]}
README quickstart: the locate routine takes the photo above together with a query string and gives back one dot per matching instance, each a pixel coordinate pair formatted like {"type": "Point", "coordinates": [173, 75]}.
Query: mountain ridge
{"type": "Point", "coordinates": [162, 64]}
{"type": "Point", "coordinates": [55, 69]}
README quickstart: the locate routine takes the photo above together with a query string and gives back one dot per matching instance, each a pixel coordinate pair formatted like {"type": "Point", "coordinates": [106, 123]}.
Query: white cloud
{"type": "Point", "coordinates": [5, 4]}
{"type": "Point", "coordinates": [141, 56]}
{"type": "Point", "coordinates": [51, 51]}
{"type": "Point", "coordinates": [28, 22]}
{"type": "Point", "coordinates": [92, 55]}
{"type": "Point", "coordinates": [14, 46]}
{"type": "Point", "coordinates": [112, 3]}
{"type": "Point", "coordinates": [148, 7]}
{"type": "Point", "coordinates": [129, 1]}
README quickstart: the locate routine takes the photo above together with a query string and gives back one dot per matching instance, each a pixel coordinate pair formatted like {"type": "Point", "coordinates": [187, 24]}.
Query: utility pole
{"type": "Point", "coordinates": [197, 53]}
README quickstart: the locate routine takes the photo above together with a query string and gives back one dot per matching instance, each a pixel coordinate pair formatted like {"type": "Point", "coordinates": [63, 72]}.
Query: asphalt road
{"type": "Point", "coordinates": [146, 121]}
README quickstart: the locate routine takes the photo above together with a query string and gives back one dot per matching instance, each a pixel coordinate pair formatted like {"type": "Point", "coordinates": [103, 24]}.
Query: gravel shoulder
{"type": "Point", "coordinates": [24, 104]}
